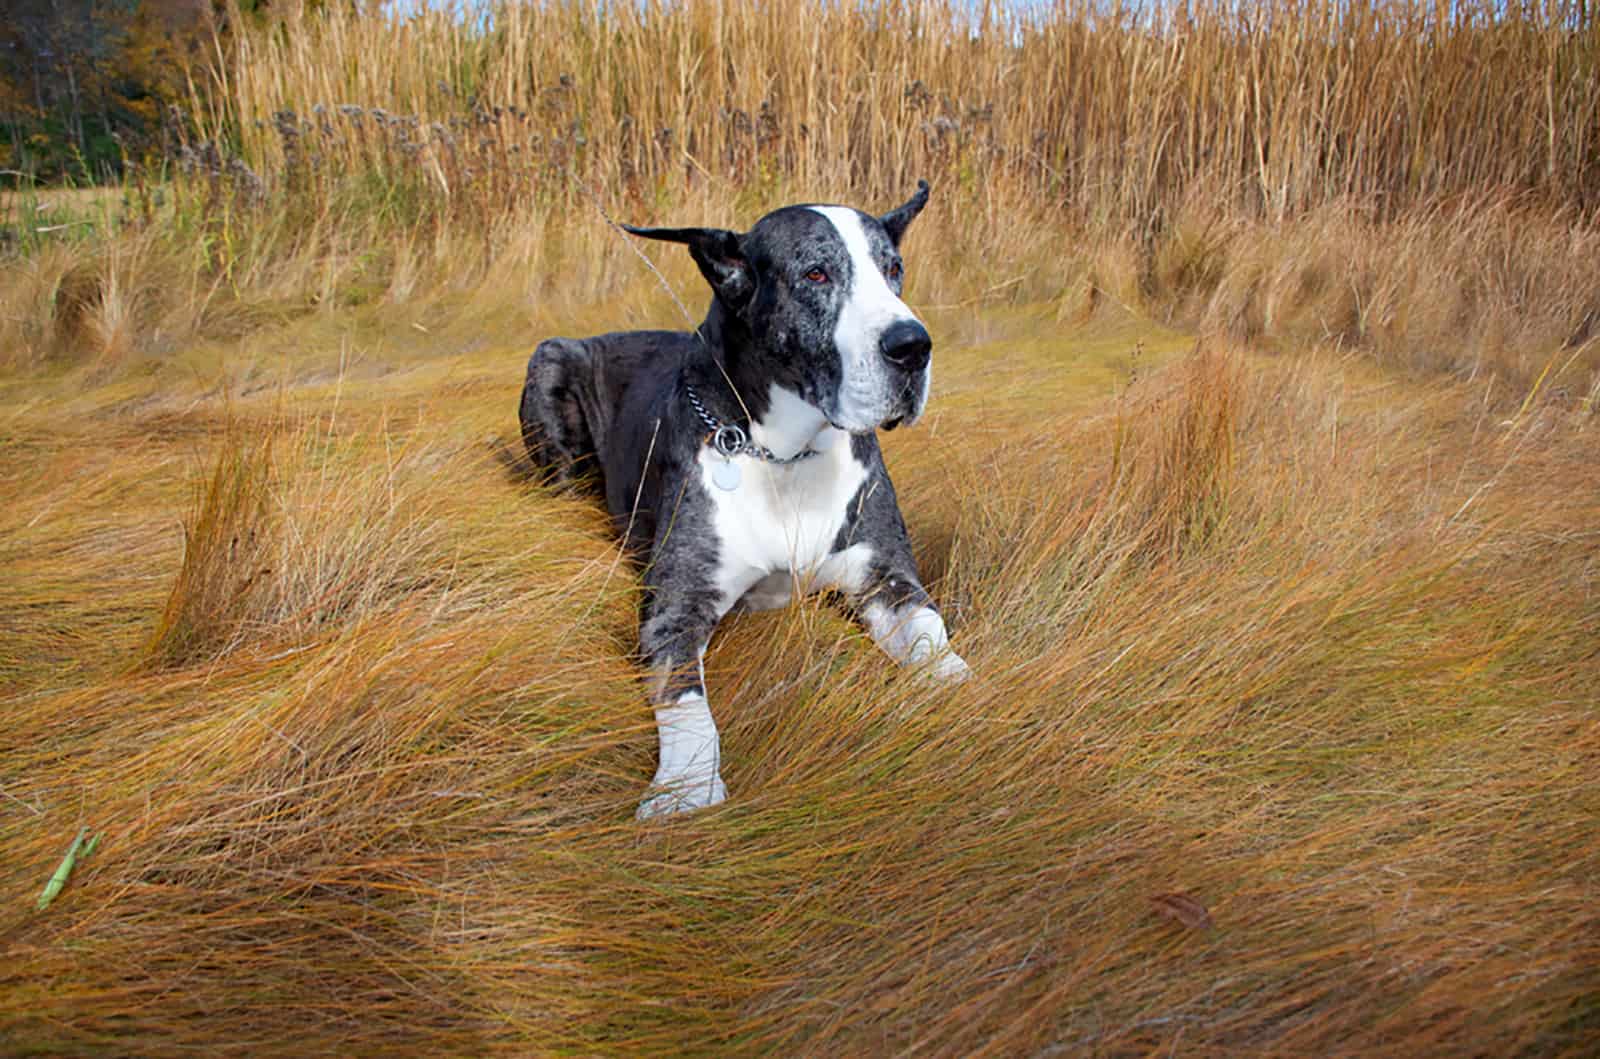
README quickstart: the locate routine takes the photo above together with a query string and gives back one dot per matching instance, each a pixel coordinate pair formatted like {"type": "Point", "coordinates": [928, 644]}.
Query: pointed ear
{"type": "Point", "coordinates": [718, 252]}
{"type": "Point", "coordinates": [897, 220]}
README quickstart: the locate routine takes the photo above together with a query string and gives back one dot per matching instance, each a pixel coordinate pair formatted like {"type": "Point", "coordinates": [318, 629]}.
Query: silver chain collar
{"type": "Point", "coordinates": [730, 440]}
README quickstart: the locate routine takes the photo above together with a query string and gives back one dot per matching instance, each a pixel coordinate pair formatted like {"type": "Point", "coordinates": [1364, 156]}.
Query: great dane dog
{"type": "Point", "coordinates": [740, 460]}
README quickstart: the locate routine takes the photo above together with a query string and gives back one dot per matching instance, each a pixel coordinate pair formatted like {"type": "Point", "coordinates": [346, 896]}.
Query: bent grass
{"type": "Point", "coordinates": [1287, 640]}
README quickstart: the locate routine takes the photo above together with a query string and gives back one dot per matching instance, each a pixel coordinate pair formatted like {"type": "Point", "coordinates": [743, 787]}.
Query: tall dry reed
{"type": "Point", "coordinates": [1102, 112]}
{"type": "Point", "coordinates": [1406, 178]}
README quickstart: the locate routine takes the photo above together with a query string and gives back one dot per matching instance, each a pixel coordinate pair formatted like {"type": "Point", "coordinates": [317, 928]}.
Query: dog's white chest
{"type": "Point", "coordinates": [780, 516]}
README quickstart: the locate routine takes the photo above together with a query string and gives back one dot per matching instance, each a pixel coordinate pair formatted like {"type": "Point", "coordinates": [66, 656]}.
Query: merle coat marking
{"type": "Point", "coordinates": [808, 348]}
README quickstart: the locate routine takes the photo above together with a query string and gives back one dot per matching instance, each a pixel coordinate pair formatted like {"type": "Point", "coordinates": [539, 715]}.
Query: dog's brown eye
{"type": "Point", "coordinates": [893, 271]}
{"type": "Point", "coordinates": [816, 275]}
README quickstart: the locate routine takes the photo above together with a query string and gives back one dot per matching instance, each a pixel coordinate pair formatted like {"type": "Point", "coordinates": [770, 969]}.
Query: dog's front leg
{"type": "Point", "coordinates": [677, 624]}
{"type": "Point", "coordinates": [901, 619]}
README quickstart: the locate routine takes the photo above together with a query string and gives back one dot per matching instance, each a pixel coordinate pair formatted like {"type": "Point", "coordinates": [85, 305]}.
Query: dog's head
{"type": "Point", "coordinates": [817, 290]}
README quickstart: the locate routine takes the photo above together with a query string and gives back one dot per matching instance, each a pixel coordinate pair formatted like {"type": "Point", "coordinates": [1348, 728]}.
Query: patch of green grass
{"type": "Point", "coordinates": [31, 218]}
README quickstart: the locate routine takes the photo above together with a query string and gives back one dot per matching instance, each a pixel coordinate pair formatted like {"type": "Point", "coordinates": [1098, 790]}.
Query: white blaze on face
{"type": "Point", "coordinates": [866, 391]}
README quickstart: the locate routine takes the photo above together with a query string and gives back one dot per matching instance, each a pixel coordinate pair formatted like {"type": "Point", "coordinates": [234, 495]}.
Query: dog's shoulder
{"type": "Point", "coordinates": [651, 438]}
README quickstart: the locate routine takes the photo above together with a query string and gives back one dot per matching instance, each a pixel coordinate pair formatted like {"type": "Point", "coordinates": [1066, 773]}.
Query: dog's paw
{"type": "Point", "coordinates": [938, 664]}
{"type": "Point", "coordinates": [682, 795]}
{"type": "Point", "coordinates": [947, 668]}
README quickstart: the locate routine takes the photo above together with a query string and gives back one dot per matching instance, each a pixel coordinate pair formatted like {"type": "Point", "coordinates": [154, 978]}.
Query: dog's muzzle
{"type": "Point", "coordinates": [906, 347]}
{"type": "Point", "coordinates": [885, 379]}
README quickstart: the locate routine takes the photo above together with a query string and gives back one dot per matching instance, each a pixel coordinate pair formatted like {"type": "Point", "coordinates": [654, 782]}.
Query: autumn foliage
{"type": "Point", "coordinates": [83, 82]}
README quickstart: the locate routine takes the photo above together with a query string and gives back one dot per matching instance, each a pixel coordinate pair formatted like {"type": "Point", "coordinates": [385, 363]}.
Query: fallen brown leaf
{"type": "Point", "coordinates": [1184, 909]}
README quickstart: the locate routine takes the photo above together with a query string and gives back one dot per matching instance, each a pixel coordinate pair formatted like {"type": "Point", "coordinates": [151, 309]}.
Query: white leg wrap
{"type": "Point", "coordinates": [688, 776]}
{"type": "Point", "coordinates": [915, 637]}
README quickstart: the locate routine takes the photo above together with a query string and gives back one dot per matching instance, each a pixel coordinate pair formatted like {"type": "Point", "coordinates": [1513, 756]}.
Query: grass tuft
{"type": "Point", "coordinates": [226, 546]}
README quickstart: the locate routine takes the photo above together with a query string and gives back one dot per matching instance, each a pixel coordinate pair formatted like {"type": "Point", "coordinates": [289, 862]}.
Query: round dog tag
{"type": "Point", "coordinates": [726, 476]}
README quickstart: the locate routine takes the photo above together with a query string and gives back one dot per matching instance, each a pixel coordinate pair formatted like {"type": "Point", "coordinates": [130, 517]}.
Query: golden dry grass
{"type": "Point", "coordinates": [352, 706]}
{"type": "Point", "coordinates": [1258, 487]}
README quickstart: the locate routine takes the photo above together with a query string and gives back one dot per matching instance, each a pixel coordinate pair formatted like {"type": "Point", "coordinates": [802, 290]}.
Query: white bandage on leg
{"type": "Point", "coordinates": [915, 637]}
{"type": "Point", "coordinates": [688, 776]}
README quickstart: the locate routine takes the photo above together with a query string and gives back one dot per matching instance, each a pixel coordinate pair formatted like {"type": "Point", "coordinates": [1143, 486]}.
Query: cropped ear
{"type": "Point", "coordinates": [720, 255]}
{"type": "Point", "coordinates": [897, 220]}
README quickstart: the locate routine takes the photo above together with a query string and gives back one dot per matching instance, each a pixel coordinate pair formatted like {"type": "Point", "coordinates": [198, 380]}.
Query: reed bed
{"type": "Point", "coordinates": [1101, 112]}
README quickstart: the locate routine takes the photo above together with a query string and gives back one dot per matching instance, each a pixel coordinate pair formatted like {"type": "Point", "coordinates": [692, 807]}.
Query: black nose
{"type": "Point", "coordinates": [906, 345]}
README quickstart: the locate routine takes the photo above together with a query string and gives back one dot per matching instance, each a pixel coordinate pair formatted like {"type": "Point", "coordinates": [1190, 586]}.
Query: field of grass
{"type": "Point", "coordinates": [1270, 526]}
